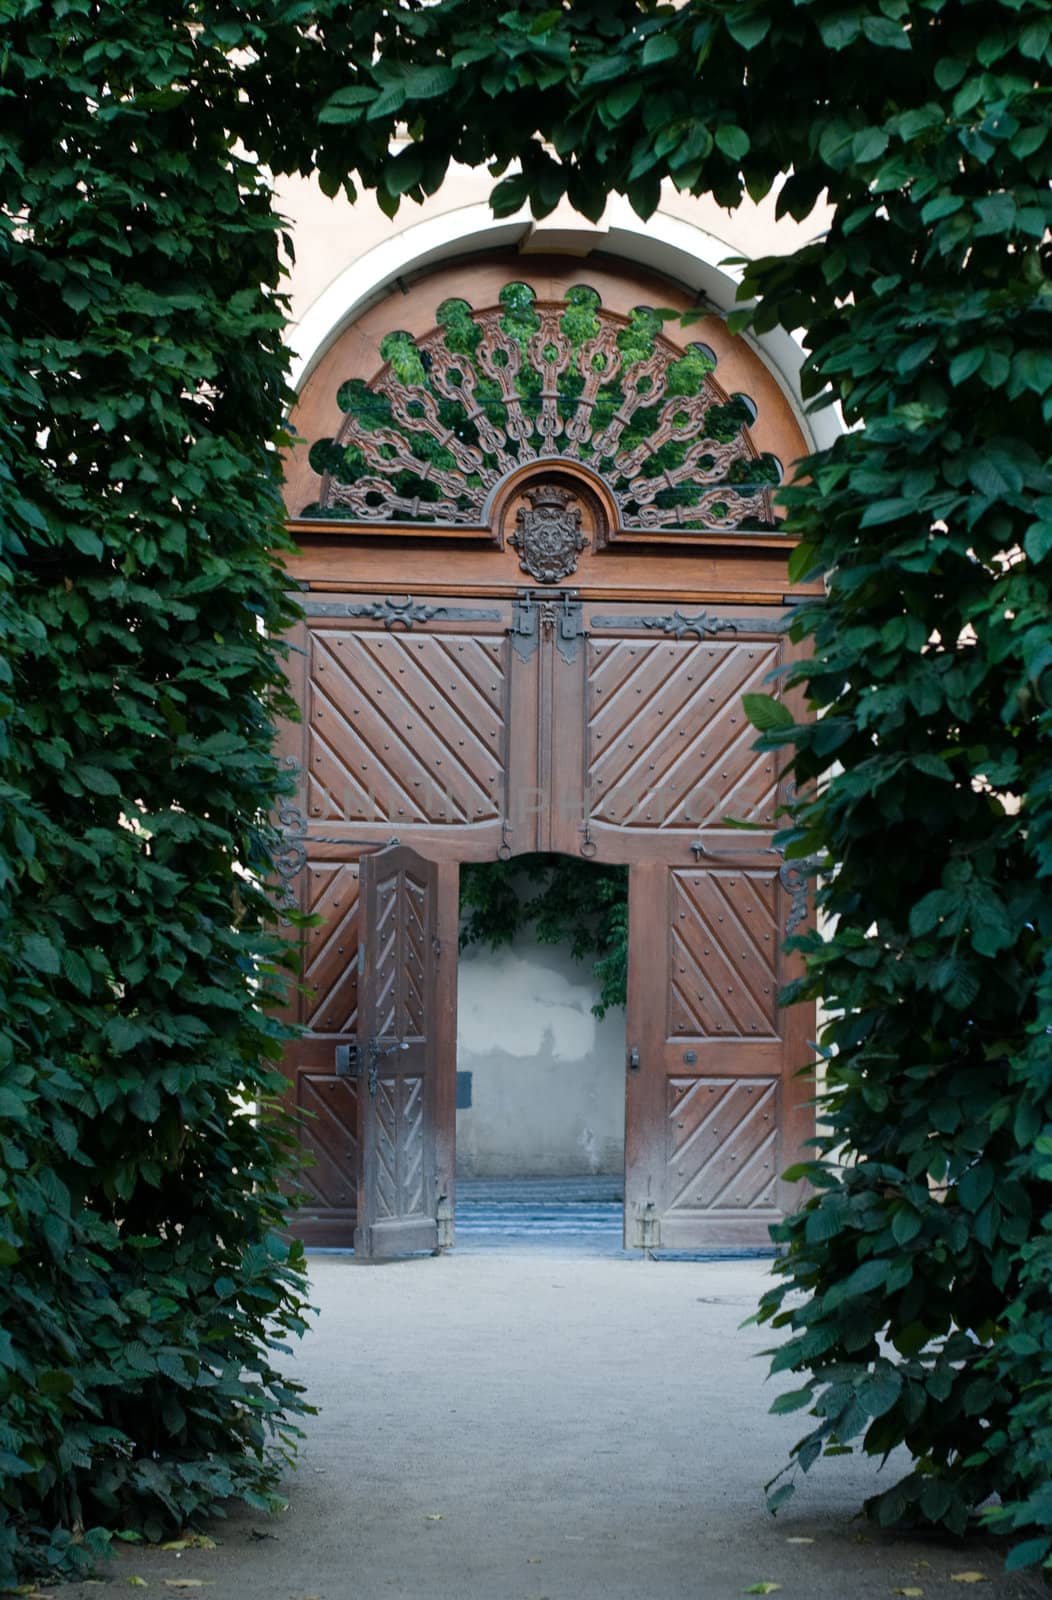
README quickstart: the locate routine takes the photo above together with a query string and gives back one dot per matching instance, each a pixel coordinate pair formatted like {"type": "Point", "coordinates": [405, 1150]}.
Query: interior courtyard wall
{"type": "Point", "coordinates": [547, 1078]}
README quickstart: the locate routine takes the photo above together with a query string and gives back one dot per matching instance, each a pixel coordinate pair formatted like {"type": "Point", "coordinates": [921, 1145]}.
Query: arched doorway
{"type": "Point", "coordinates": [540, 565]}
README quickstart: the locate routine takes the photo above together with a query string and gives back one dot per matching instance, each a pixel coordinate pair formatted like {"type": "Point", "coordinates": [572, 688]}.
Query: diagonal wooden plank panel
{"type": "Point", "coordinates": [669, 743]}
{"type": "Point", "coordinates": [451, 724]}
{"type": "Point", "coordinates": [725, 954]}
{"type": "Point", "coordinates": [385, 1152]}
{"type": "Point", "coordinates": [404, 728]}
{"type": "Point", "coordinates": [387, 965]}
{"type": "Point", "coordinates": [672, 765]}
{"type": "Point", "coordinates": [724, 957]}
{"type": "Point", "coordinates": [331, 1137]}
{"type": "Point", "coordinates": [722, 1143]}
{"type": "Point", "coordinates": [414, 955]}
{"type": "Point", "coordinates": [411, 1147]}
{"type": "Point", "coordinates": [330, 970]}
{"type": "Point", "coordinates": [653, 669]}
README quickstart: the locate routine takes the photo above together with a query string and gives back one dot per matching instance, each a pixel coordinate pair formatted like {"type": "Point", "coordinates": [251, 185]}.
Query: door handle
{"type": "Point", "coordinates": [634, 1062]}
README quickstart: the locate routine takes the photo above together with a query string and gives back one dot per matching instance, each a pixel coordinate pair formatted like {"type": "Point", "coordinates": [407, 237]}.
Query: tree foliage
{"type": "Point", "coordinates": [143, 380]}
{"type": "Point", "coordinates": [925, 787]}
{"type": "Point", "coordinates": [145, 1289]}
{"type": "Point", "coordinates": [565, 900]}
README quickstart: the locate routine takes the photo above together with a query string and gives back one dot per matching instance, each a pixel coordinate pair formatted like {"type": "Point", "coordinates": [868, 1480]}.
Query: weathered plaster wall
{"type": "Point", "coordinates": [548, 1078]}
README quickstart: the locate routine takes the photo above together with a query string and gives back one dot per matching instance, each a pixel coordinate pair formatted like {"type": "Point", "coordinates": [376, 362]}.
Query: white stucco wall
{"type": "Point", "coordinates": [548, 1078]}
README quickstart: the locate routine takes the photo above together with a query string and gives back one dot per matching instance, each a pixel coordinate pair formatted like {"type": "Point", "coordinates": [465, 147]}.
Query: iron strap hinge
{"type": "Point", "coordinates": [555, 612]}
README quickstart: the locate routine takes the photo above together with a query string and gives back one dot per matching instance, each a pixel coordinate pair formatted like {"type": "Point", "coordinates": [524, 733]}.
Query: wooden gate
{"type": "Point", "coordinates": [559, 666]}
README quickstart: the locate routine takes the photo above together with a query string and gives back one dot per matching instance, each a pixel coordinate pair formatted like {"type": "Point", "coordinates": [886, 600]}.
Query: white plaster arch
{"type": "Point", "coordinates": [666, 244]}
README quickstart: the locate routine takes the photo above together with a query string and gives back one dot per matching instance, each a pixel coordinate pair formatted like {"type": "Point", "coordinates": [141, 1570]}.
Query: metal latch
{"type": "Point", "coordinates": [648, 1227]}
{"type": "Point", "coordinates": [347, 1060]}
{"type": "Point", "coordinates": [634, 1063]}
{"type": "Point", "coordinates": [444, 1219]}
{"type": "Point", "coordinates": [376, 1050]}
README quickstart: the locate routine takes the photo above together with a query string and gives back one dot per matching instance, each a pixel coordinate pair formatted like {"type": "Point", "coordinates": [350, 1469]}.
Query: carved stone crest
{"type": "Point", "coordinates": [548, 537]}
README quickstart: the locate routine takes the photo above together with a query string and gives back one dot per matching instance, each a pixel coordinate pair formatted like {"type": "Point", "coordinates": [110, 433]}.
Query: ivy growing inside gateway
{"type": "Point", "coordinates": [490, 389]}
{"type": "Point", "coordinates": [564, 900]}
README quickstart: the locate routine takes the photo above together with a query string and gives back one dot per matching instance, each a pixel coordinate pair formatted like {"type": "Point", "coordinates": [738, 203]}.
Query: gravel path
{"type": "Point", "coordinates": [544, 1424]}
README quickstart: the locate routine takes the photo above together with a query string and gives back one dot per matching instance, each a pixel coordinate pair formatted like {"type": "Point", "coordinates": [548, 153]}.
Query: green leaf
{"type": "Point", "coordinates": [622, 99]}
{"type": "Point", "coordinates": [1034, 39]}
{"type": "Point", "coordinates": [943, 205]}
{"type": "Point", "coordinates": [659, 47]}
{"type": "Point", "coordinates": [930, 909]}
{"type": "Point", "coordinates": [1037, 541]}
{"type": "Point", "coordinates": [916, 354]}
{"type": "Point", "coordinates": [41, 953]}
{"type": "Point", "coordinates": [747, 28]}
{"type": "Point", "coordinates": [766, 713]}
{"type": "Point", "coordinates": [97, 779]}
{"type": "Point", "coordinates": [993, 474]}
{"type": "Point", "coordinates": [803, 563]}
{"type": "Point", "coordinates": [123, 1034]}
{"type": "Point", "coordinates": [430, 82]}
{"type": "Point", "coordinates": [793, 1400]}
{"type": "Point", "coordinates": [880, 1392]}
{"type": "Point", "coordinates": [865, 1279]}
{"type": "Point", "coordinates": [905, 1225]}
{"type": "Point", "coordinates": [881, 511]}
{"type": "Point", "coordinates": [976, 1186]}
{"type": "Point", "coordinates": [510, 195]}
{"type": "Point", "coordinates": [734, 142]}
{"type": "Point", "coordinates": [957, 982]}
{"type": "Point", "coordinates": [1028, 1553]}
{"type": "Point", "coordinates": [388, 102]}
{"type": "Point", "coordinates": [77, 971]}
{"type": "Point", "coordinates": [966, 364]}
{"type": "Point", "coordinates": [869, 145]}
{"type": "Point", "coordinates": [1032, 369]}
{"type": "Point", "coordinates": [884, 32]}
{"type": "Point", "coordinates": [13, 1105]}
{"type": "Point", "coordinates": [840, 29]}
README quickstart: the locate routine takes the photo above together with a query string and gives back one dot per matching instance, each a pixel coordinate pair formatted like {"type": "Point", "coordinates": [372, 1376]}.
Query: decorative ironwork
{"type": "Point", "coordinates": [291, 856]}
{"type": "Point", "coordinates": [488, 391]}
{"type": "Point", "coordinates": [533, 614]}
{"type": "Point", "coordinates": [391, 612]}
{"type": "Point", "coordinates": [548, 537]}
{"type": "Point", "coordinates": [703, 625]}
{"type": "Point", "coordinates": [794, 877]}
{"type": "Point", "coordinates": [294, 835]}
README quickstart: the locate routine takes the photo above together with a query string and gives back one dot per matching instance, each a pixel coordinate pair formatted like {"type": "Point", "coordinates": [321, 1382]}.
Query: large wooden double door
{"type": "Point", "coordinates": [472, 728]}
{"type": "Point", "coordinates": [541, 561]}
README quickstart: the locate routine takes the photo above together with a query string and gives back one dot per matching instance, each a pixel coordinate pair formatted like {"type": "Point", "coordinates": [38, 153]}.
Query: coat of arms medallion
{"type": "Point", "coordinates": [548, 537]}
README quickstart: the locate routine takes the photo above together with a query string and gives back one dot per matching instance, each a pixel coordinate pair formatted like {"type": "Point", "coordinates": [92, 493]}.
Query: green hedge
{"type": "Point", "coordinates": [146, 1294]}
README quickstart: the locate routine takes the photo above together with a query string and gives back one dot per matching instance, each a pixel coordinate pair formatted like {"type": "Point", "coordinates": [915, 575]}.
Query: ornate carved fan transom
{"type": "Point", "coordinates": [451, 414]}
